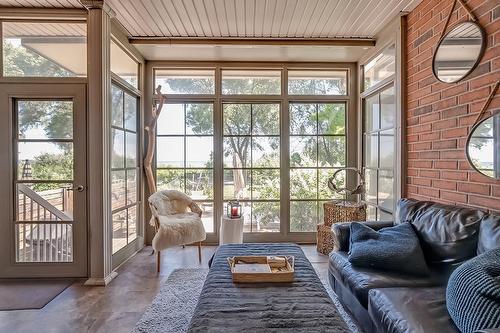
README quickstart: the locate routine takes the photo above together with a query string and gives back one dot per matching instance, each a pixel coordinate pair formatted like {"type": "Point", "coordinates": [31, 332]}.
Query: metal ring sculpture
{"type": "Point", "coordinates": [344, 190]}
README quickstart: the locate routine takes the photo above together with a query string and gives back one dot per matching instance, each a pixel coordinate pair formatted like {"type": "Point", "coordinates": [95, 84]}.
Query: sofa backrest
{"type": "Point", "coordinates": [489, 233]}
{"type": "Point", "coordinates": [448, 234]}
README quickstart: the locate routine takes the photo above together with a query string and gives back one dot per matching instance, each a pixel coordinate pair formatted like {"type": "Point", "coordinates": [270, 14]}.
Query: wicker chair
{"type": "Point", "coordinates": [174, 223]}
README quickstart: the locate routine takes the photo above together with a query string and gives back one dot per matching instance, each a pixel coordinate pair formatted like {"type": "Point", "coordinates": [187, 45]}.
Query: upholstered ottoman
{"type": "Point", "coordinates": [299, 306]}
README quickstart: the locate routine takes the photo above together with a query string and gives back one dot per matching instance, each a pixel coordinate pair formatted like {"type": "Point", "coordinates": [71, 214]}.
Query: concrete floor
{"type": "Point", "coordinates": [117, 307]}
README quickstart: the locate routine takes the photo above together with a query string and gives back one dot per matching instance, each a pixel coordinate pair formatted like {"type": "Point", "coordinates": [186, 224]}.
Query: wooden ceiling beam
{"type": "Point", "coordinates": [367, 42]}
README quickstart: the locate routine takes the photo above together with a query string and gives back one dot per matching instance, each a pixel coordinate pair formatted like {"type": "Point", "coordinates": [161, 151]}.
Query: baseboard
{"type": "Point", "coordinates": [103, 282]}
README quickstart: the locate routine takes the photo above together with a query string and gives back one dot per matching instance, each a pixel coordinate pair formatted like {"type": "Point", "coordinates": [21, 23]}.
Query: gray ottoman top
{"type": "Point", "coordinates": [300, 306]}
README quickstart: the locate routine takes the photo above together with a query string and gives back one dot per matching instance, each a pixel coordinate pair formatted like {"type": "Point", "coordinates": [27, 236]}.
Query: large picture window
{"type": "Point", "coordinates": [269, 137]}
{"type": "Point", "coordinates": [124, 167]}
{"type": "Point", "coordinates": [251, 150]}
{"type": "Point", "coordinates": [379, 153]}
{"type": "Point", "coordinates": [317, 147]}
{"type": "Point", "coordinates": [44, 49]}
{"type": "Point", "coordinates": [184, 154]}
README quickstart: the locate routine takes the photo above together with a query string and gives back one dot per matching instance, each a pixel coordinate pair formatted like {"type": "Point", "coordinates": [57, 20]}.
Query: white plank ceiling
{"type": "Point", "coordinates": [246, 18]}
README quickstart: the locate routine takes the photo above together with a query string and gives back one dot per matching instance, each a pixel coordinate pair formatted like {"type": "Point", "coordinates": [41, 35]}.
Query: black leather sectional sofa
{"type": "Point", "coordinates": [384, 301]}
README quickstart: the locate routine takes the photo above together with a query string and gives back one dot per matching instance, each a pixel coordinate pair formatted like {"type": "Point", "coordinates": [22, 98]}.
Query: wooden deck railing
{"type": "Point", "coordinates": [44, 229]}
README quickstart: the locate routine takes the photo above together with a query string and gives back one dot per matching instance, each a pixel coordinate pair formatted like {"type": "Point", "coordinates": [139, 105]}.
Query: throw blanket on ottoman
{"type": "Point", "coordinates": [300, 306]}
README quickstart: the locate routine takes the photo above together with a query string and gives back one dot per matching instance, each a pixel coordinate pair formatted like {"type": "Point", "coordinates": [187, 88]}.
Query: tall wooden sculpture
{"type": "Point", "coordinates": [158, 101]}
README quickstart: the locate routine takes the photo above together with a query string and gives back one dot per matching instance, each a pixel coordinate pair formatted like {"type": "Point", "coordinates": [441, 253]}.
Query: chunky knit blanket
{"type": "Point", "coordinates": [300, 306]}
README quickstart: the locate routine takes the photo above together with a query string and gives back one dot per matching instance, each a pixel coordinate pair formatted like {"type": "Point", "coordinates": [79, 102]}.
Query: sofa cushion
{"type": "Point", "coordinates": [360, 280]}
{"type": "Point", "coordinates": [394, 248]}
{"type": "Point", "coordinates": [473, 293]}
{"type": "Point", "coordinates": [448, 234]}
{"type": "Point", "coordinates": [489, 233]}
{"type": "Point", "coordinates": [418, 310]}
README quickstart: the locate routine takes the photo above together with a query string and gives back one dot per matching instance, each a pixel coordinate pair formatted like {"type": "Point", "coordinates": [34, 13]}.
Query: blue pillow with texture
{"type": "Point", "coordinates": [473, 293]}
{"type": "Point", "coordinates": [394, 248]}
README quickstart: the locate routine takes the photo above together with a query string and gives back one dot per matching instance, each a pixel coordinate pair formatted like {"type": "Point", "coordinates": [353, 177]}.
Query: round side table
{"type": "Point", "coordinates": [231, 230]}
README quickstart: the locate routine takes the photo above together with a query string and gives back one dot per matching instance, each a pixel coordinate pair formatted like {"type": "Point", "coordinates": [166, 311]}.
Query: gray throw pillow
{"type": "Point", "coordinates": [394, 248]}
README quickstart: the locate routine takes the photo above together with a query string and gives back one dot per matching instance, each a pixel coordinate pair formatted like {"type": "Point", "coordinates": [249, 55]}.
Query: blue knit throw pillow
{"type": "Point", "coordinates": [394, 248]}
{"type": "Point", "coordinates": [473, 293]}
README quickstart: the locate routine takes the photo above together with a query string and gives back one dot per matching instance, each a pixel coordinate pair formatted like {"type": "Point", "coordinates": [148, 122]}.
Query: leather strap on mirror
{"type": "Point", "coordinates": [467, 9]}
{"type": "Point", "coordinates": [487, 103]}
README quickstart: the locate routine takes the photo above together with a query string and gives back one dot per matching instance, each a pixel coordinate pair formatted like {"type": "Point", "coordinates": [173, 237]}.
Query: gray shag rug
{"type": "Point", "coordinates": [174, 305]}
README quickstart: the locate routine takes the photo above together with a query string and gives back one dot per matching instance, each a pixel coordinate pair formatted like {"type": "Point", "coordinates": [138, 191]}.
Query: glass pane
{"type": "Point", "coordinates": [303, 216]}
{"type": "Point", "coordinates": [387, 108]}
{"type": "Point", "coordinates": [44, 202]}
{"type": "Point", "coordinates": [266, 119]}
{"type": "Point", "coordinates": [372, 114]}
{"type": "Point", "coordinates": [131, 149]}
{"type": "Point", "coordinates": [131, 186]}
{"type": "Point", "coordinates": [48, 242]}
{"type": "Point", "coordinates": [45, 160]}
{"type": "Point", "coordinates": [371, 185]}
{"type": "Point", "coordinates": [236, 184]}
{"type": "Point", "coordinates": [251, 82]}
{"type": "Point", "coordinates": [309, 82]}
{"type": "Point", "coordinates": [199, 152]}
{"type": "Point", "coordinates": [132, 224]}
{"type": "Point", "coordinates": [169, 152]}
{"type": "Point", "coordinates": [207, 217]}
{"type": "Point", "coordinates": [331, 151]}
{"type": "Point", "coordinates": [387, 149]}
{"type": "Point", "coordinates": [130, 113]}
{"type": "Point", "coordinates": [185, 81]}
{"type": "Point", "coordinates": [45, 49]}
{"type": "Point", "coordinates": [380, 68]}
{"type": "Point", "coordinates": [324, 191]}
{"type": "Point", "coordinates": [265, 217]}
{"type": "Point", "coordinates": [331, 119]}
{"type": "Point", "coordinates": [200, 184]}
{"type": "Point", "coordinates": [384, 216]}
{"type": "Point", "coordinates": [303, 119]}
{"type": "Point", "coordinates": [237, 119]}
{"type": "Point", "coordinates": [265, 152]}
{"type": "Point", "coordinates": [118, 194]}
{"type": "Point", "coordinates": [265, 184]}
{"type": "Point", "coordinates": [236, 152]}
{"type": "Point", "coordinates": [119, 230]}
{"type": "Point", "coordinates": [303, 151]}
{"type": "Point", "coordinates": [116, 106]}
{"type": "Point", "coordinates": [371, 213]}
{"type": "Point", "coordinates": [386, 190]}
{"type": "Point", "coordinates": [199, 119]}
{"type": "Point", "coordinates": [170, 180]}
{"type": "Point", "coordinates": [303, 184]}
{"type": "Point", "coordinates": [482, 153]}
{"type": "Point", "coordinates": [118, 148]}
{"type": "Point", "coordinates": [45, 119]}
{"type": "Point", "coordinates": [123, 65]}
{"type": "Point", "coordinates": [171, 120]}
{"type": "Point", "coordinates": [371, 150]}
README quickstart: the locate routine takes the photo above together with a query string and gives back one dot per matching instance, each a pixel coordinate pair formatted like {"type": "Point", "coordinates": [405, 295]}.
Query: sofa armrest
{"type": "Point", "coordinates": [341, 232]}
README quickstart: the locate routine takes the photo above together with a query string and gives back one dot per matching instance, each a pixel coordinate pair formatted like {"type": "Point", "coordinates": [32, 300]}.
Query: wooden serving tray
{"type": "Point", "coordinates": [253, 269]}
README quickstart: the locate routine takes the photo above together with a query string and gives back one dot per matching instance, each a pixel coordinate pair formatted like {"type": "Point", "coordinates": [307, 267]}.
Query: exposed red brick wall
{"type": "Point", "coordinates": [439, 115]}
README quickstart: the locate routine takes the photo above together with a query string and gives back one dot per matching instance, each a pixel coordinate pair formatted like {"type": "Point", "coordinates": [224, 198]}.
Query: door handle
{"type": "Point", "coordinates": [79, 188]}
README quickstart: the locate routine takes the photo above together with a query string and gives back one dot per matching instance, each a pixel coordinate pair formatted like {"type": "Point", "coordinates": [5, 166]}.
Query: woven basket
{"type": "Point", "coordinates": [337, 211]}
{"type": "Point", "coordinates": [343, 211]}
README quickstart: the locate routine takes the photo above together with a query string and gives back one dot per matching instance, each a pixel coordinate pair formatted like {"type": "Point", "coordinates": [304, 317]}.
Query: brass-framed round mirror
{"type": "Point", "coordinates": [483, 143]}
{"type": "Point", "coordinates": [458, 52]}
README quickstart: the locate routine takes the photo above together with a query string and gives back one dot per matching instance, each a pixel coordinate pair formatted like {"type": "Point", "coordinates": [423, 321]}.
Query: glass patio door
{"type": "Point", "coordinates": [43, 228]}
